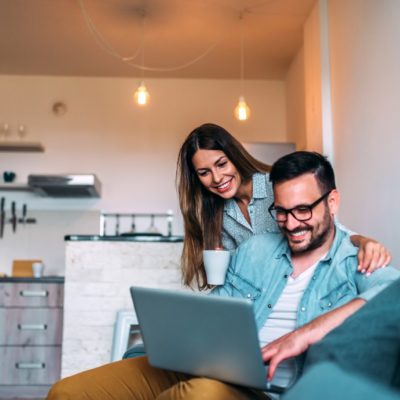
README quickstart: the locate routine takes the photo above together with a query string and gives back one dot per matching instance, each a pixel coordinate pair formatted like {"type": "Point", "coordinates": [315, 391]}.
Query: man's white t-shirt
{"type": "Point", "coordinates": [282, 320]}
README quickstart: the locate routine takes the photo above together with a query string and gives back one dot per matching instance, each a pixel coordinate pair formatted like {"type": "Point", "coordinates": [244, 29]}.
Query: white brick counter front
{"type": "Point", "coordinates": [98, 275]}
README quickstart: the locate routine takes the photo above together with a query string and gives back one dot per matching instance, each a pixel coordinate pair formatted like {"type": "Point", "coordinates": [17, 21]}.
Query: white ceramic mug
{"type": "Point", "coordinates": [216, 263]}
{"type": "Point", "coordinates": [37, 269]}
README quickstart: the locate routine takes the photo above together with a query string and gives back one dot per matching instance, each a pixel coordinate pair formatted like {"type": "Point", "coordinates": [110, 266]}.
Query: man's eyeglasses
{"type": "Point", "coordinates": [301, 213]}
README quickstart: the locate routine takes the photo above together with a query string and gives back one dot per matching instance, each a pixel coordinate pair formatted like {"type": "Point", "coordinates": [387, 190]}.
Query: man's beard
{"type": "Point", "coordinates": [317, 238]}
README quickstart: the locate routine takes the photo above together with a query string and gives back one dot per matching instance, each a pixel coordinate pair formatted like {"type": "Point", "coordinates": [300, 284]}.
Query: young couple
{"type": "Point", "coordinates": [295, 262]}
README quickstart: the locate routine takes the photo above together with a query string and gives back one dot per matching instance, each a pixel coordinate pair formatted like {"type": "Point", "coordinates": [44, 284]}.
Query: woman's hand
{"type": "Point", "coordinates": [372, 255]}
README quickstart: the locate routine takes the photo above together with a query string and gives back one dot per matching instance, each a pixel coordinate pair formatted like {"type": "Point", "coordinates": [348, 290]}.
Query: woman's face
{"type": "Point", "coordinates": [217, 173]}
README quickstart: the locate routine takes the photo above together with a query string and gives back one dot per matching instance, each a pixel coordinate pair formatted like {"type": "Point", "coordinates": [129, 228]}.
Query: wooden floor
{"type": "Point", "coordinates": [21, 398]}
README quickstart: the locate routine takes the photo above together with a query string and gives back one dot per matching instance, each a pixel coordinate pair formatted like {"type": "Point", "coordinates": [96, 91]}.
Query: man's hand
{"type": "Point", "coordinates": [287, 346]}
{"type": "Point", "coordinates": [298, 341]}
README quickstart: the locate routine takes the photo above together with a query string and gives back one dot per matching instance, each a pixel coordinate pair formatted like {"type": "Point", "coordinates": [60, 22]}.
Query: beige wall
{"type": "Point", "coordinates": [295, 103]}
{"type": "Point", "coordinates": [365, 64]}
{"type": "Point", "coordinates": [312, 81]}
{"type": "Point", "coordinates": [133, 151]}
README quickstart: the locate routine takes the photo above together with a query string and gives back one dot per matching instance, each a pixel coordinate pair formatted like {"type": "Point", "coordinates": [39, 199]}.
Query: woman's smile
{"type": "Point", "coordinates": [224, 187]}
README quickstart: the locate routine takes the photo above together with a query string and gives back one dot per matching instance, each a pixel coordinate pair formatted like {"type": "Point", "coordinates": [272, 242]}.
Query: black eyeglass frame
{"type": "Point", "coordinates": [308, 207]}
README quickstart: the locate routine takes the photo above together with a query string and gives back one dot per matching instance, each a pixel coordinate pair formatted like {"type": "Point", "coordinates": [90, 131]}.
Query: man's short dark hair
{"type": "Point", "coordinates": [304, 162]}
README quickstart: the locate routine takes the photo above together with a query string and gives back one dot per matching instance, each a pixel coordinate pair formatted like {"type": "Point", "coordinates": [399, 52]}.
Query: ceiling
{"type": "Point", "coordinates": [92, 37]}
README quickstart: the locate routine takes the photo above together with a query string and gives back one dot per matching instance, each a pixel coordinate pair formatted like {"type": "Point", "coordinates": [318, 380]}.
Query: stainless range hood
{"type": "Point", "coordinates": [66, 185]}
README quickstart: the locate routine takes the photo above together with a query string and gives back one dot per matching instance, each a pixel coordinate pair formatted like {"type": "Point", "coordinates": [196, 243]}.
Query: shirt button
{"type": "Point", "coordinates": [248, 295]}
{"type": "Point", "coordinates": [329, 304]}
{"type": "Point", "coordinates": [314, 278]}
{"type": "Point", "coordinates": [303, 309]}
{"type": "Point", "coordinates": [269, 305]}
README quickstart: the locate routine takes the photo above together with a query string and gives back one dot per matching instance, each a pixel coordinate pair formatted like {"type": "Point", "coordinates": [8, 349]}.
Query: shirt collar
{"type": "Point", "coordinates": [259, 192]}
{"type": "Point", "coordinates": [229, 207]}
{"type": "Point", "coordinates": [260, 185]}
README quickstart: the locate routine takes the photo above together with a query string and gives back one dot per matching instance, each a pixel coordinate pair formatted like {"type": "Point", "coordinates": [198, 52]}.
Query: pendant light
{"type": "Point", "coordinates": [141, 95]}
{"type": "Point", "coordinates": [242, 110]}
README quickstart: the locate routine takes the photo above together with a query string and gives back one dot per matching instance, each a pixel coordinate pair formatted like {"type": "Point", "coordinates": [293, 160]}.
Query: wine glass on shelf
{"type": "Point", "coordinates": [4, 130]}
{"type": "Point", "coordinates": [22, 131]}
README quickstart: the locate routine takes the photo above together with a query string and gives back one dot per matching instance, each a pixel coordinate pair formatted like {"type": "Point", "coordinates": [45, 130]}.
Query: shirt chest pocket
{"type": "Point", "coordinates": [337, 297]}
{"type": "Point", "coordinates": [244, 289]}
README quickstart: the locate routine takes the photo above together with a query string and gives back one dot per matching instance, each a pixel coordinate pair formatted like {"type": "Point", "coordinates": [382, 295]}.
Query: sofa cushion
{"type": "Point", "coordinates": [329, 382]}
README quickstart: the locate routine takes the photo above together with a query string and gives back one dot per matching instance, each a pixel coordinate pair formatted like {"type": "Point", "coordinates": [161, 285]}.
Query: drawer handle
{"type": "Point", "coordinates": [28, 365]}
{"type": "Point", "coordinates": [32, 327]}
{"type": "Point", "coordinates": [34, 293]}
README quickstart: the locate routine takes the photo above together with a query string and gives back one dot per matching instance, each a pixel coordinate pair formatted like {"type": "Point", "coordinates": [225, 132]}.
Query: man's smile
{"type": "Point", "coordinates": [297, 235]}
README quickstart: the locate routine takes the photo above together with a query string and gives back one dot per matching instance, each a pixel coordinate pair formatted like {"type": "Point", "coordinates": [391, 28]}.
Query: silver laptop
{"type": "Point", "coordinates": [201, 335]}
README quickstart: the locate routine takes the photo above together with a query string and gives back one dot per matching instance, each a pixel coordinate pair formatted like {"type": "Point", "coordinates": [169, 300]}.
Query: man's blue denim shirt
{"type": "Point", "coordinates": [261, 266]}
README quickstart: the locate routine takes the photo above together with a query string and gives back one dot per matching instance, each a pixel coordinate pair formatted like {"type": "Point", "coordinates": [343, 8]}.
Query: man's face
{"type": "Point", "coordinates": [303, 236]}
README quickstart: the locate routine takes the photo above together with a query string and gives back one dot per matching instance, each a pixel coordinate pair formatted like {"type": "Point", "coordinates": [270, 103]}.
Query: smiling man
{"type": "Point", "coordinates": [305, 282]}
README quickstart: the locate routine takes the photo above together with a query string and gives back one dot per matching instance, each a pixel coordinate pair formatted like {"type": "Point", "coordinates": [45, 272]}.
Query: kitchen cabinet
{"type": "Point", "coordinates": [31, 321]}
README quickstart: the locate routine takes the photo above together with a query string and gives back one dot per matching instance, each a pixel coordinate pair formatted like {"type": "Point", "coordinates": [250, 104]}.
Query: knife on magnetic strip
{"type": "Point", "coordinates": [2, 216]}
{"type": "Point", "coordinates": [13, 217]}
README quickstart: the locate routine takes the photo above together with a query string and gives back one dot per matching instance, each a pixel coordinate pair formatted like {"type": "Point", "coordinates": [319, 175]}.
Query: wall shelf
{"type": "Point", "coordinates": [15, 187]}
{"type": "Point", "coordinates": [26, 147]}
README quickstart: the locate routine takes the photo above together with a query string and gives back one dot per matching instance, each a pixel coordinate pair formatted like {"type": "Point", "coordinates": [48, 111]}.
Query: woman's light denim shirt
{"type": "Point", "coordinates": [236, 229]}
{"type": "Point", "coordinates": [261, 266]}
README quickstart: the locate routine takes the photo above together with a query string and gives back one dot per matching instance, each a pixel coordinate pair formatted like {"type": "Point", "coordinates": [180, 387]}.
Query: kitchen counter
{"type": "Point", "coordinates": [31, 279]}
{"type": "Point", "coordinates": [99, 271]}
{"type": "Point", "coordinates": [125, 238]}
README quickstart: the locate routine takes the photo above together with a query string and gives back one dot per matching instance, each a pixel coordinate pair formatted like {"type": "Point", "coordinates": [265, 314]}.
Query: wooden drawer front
{"type": "Point", "coordinates": [31, 326]}
{"type": "Point", "coordinates": [31, 295]}
{"type": "Point", "coordinates": [29, 365]}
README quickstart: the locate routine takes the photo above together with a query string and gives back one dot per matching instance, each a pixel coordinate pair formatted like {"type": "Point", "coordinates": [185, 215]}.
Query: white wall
{"type": "Point", "coordinates": [133, 151]}
{"type": "Point", "coordinates": [45, 239]}
{"type": "Point", "coordinates": [365, 65]}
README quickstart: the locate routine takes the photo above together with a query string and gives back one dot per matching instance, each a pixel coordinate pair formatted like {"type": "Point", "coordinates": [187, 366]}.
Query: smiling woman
{"type": "Point", "coordinates": [224, 196]}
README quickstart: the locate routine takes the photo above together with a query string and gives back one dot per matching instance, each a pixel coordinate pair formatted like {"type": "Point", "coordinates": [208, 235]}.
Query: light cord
{"type": "Point", "coordinates": [107, 47]}
{"type": "Point", "coordinates": [99, 38]}
{"type": "Point", "coordinates": [241, 54]}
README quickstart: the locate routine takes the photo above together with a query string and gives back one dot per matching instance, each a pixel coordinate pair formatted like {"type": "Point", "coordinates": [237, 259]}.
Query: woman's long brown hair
{"type": "Point", "coordinates": [202, 210]}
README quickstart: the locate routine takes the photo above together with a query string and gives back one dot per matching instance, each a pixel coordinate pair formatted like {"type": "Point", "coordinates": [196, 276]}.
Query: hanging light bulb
{"type": "Point", "coordinates": [141, 96]}
{"type": "Point", "coordinates": [242, 110]}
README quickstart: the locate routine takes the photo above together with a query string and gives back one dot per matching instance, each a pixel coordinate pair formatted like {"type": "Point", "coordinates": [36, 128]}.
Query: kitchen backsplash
{"type": "Point", "coordinates": [45, 239]}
